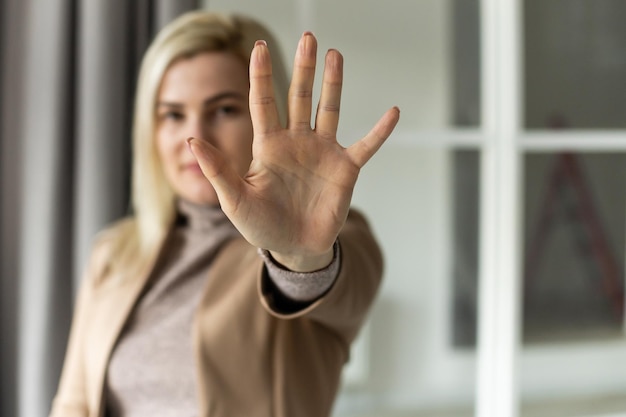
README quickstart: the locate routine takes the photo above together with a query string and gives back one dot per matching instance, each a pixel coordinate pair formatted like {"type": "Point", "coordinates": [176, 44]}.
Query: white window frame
{"type": "Point", "coordinates": [500, 200]}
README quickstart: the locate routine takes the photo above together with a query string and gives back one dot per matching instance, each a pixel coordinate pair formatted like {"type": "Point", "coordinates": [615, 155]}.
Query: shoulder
{"type": "Point", "coordinates": [108, 245]}
{"type": "Point", "coordinates": [106, 241]}
{"type": "Point", "coordinates": [114, 231]}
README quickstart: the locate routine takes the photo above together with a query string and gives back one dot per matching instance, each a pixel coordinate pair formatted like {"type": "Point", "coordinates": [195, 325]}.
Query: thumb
{"type": "Point", "coordinates": [225, 180]}
{"type": "Point", "coordinates": [364, 149]}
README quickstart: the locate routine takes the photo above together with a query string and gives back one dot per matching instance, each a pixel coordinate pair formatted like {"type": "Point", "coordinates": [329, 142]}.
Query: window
{"type": "Point", "coordinates": [500, 200]}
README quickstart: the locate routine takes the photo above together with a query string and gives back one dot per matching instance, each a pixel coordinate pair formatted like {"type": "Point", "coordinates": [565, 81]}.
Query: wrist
{"type": "Point", "coordinates": [304, 263]}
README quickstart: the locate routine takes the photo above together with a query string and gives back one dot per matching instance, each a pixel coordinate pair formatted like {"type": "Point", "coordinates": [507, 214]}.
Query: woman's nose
{"type": "Point", "coordinates": [196, 128]}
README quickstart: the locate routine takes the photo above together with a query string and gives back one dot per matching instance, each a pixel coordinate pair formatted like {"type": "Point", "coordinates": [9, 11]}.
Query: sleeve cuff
{"type": "Point", "coordinates": [302, 286]}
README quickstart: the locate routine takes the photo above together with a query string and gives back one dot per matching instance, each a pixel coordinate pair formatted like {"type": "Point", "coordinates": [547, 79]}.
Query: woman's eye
{"type": "Point", "coordinates": [171, 116]}
{"type": "Point", "coordinates": [227, 110]}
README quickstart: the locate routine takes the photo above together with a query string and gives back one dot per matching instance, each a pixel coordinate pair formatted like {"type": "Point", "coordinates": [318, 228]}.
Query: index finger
{"type": "Point", "coordinates": [262, 102]}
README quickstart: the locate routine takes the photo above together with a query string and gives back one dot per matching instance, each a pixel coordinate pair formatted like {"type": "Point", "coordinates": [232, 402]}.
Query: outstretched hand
{"type": "Point", "coordinates": [296, 194]}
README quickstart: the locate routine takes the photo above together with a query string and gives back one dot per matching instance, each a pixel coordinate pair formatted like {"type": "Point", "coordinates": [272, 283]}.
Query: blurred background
{"type": "Point", "coordinates": [68, 70]}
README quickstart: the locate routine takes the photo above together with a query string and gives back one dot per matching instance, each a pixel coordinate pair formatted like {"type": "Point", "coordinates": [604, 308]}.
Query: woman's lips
{"type": "Point", "coordinates": [192, 167]}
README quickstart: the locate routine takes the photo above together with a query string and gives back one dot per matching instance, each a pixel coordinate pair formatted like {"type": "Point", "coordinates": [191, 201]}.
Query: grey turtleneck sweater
{"type": "Point", "coordinates": [152, 371]}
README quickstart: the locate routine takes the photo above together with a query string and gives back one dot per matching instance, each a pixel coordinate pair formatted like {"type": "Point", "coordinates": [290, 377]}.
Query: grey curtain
{"type": "Point", "coordinates": [67, 71]}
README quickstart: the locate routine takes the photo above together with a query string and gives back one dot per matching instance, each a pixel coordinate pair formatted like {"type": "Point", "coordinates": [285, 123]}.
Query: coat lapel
{"type": "Point", "coordinates": [117, 298]}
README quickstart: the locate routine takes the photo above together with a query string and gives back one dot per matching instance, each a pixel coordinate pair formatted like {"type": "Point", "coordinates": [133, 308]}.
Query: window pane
{"type": "Point", "coordinates": [575, 58]}
{"type": "Point", "coordinates": [466, 83]}
{"type": "Point", "coordinates": [465, 240]}
{"type": "Point", "coordinates": [573, 286]}
{"type": "Point", "coordinates": [575, 223]}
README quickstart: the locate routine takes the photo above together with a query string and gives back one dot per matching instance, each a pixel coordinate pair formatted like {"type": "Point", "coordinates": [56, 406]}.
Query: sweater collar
{"type": "Point", "coordinates": [200, 217]}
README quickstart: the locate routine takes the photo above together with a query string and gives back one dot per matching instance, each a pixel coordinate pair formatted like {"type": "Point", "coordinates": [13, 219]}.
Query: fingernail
{"type": "Point", "coordinates": [306, 43]}
{"type": "Point", "coordinates": [188, 140]}
{"type": "Point", "coordinates": [200, 147]}
{"type": "Point", "coordinates": [260, 54]}
{"type": "Point", "coordinates": [334, 59]}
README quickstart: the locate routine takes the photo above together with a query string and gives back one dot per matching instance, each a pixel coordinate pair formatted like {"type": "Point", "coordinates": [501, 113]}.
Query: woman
{"type": "Point", "coordinates": [242, 277]}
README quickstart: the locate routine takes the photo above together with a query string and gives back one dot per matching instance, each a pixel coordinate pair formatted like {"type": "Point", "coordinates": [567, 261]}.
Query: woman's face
{"type": "Point", "coordinates": [206, 97]}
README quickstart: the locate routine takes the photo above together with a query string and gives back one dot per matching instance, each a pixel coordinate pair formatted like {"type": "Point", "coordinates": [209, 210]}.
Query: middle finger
{"type": "Point", "coordinates": [301, 88]}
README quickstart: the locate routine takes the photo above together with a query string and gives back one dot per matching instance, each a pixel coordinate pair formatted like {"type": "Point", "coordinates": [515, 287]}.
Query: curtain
{"type": "Point", "coordinates": [67, 70]}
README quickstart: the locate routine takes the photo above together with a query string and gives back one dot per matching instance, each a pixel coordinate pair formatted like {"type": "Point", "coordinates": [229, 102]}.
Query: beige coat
{"type": "Point", "coordinates": [253, 359]}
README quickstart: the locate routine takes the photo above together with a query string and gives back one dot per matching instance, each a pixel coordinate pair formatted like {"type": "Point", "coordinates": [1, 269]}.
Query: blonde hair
{"type": "Point", "coordinates": [136, 241]}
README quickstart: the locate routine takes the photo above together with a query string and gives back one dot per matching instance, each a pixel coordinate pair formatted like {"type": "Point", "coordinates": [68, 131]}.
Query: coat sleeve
{"type": "Point", "coordinates": [345, 305]}
{"type": "Point", "coordinates": [71, 399]}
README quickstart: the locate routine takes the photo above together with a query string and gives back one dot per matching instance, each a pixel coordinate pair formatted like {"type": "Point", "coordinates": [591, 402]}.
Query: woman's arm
{"type": "Point", "coordinates": [345, 305]}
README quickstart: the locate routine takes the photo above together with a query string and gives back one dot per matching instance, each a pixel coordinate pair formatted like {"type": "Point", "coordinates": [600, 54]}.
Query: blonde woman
{"type": "Point", "coordinates": [242, 277]}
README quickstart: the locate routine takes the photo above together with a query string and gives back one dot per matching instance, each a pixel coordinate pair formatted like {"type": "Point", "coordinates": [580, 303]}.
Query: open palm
{"type": "Point", "coordinates": [296, 194]}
